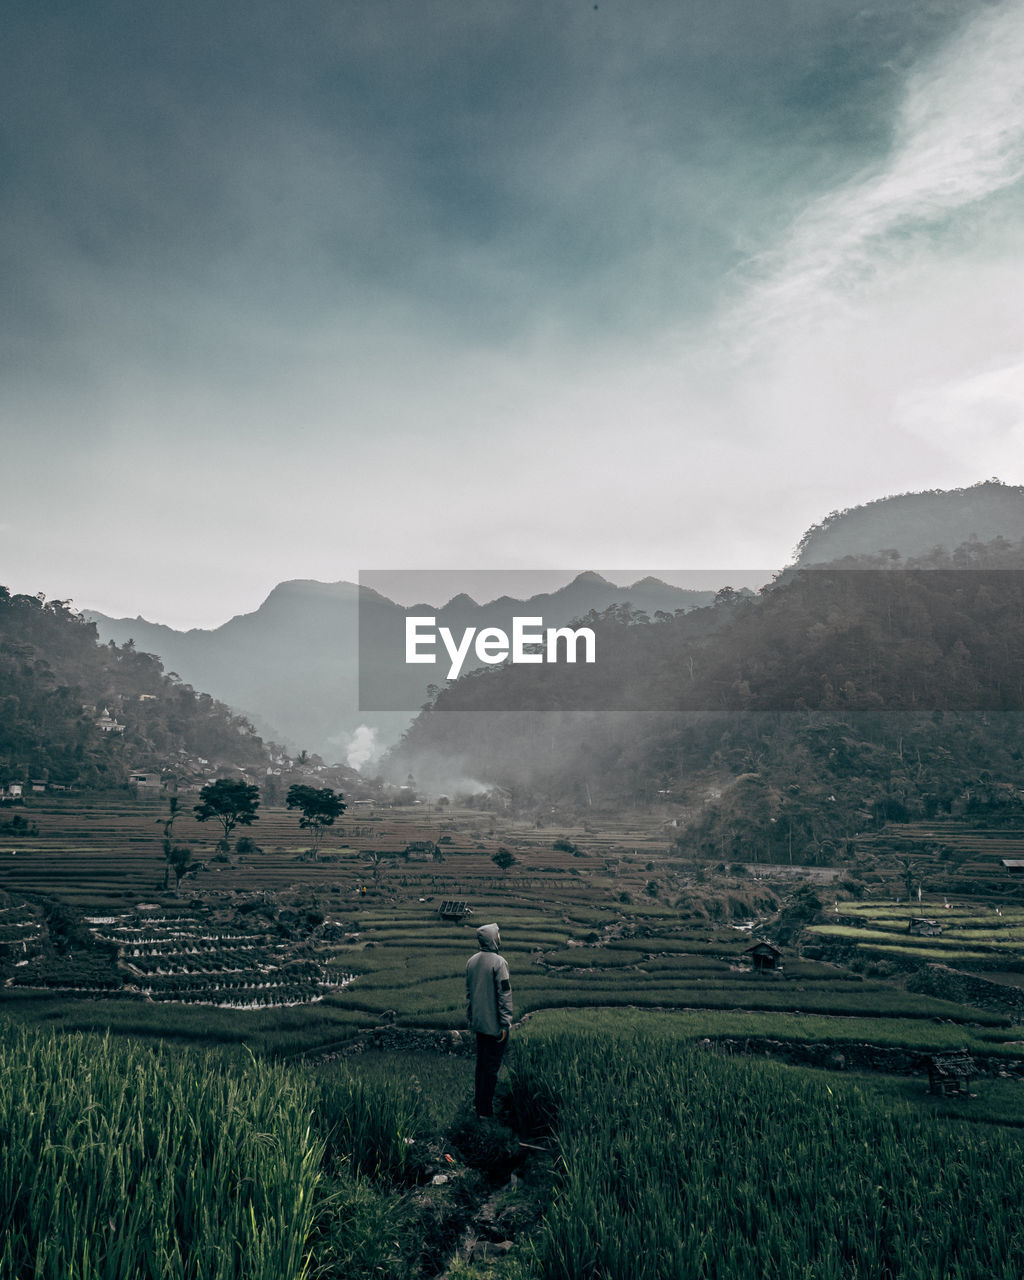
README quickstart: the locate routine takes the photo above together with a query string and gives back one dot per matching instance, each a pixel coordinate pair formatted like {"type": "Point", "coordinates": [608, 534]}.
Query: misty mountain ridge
{"type": "Point", "coordinates": [293, 663]}
{"type": "Point", "coordinates": [837, 700]}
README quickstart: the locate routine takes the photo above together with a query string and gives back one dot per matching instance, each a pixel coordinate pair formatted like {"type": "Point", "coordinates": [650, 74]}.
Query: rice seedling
{"type": "Point", "coordinates": [370, 1125]}
{"type": "Point", "coordinates": [674, 1164]}
{"type": "Point", "coordinates": [119, 1163]}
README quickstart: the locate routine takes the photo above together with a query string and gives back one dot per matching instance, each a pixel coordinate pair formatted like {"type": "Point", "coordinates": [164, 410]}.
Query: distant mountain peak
{"type": "Point", "coordinates": [462, 601]}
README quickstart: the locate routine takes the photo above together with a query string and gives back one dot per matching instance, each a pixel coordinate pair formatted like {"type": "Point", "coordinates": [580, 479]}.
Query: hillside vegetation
{"type": "Point", "coordinates": [912, 524]}
{"type": "Point", "coordinates": [56, 680]}
{"type": "Point", "coordinates": [839, 698]}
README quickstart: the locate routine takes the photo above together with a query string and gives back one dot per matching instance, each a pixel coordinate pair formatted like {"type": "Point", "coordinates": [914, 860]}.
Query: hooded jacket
{"type": "Point", "coordinates": [488, 989]}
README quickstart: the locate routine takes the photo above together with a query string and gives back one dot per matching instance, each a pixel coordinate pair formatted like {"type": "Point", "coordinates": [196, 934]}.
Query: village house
{"type": "Point", "coordinates": [421, 851]}
{"type": "Point", "coordinates": [146, 782]}
{"type": "Point", "coordinates": [949, 1074]}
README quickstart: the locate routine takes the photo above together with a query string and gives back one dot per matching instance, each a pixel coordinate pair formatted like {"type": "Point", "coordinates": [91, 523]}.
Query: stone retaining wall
{"type": "Point", "coordinates": [892, 1060]}
{"type": "Point", "coordinates": [399, 1039]}
{"type": "Point", "coordinates": [967, 988]}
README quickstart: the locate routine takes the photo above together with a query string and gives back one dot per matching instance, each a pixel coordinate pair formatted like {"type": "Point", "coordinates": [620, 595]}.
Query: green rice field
{"type": "Point", "coordinates": [189, 1084]}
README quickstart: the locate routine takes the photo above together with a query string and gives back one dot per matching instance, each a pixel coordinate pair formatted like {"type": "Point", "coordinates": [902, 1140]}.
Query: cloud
{"type": "Point", "coordinates": [981, 414]}
{"type": "Point", "coordinates": [958, 141]}
{"type": "Point", "coordinates": [426, 286]}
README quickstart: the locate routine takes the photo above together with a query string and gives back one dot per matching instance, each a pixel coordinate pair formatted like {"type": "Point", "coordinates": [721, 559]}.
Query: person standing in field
{"type": "Point", "coordinates": [489, 1013]}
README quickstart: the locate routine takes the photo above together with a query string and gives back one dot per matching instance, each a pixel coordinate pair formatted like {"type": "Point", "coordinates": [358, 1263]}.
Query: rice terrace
{"type": "Point", "coordinates": [717, 1069]}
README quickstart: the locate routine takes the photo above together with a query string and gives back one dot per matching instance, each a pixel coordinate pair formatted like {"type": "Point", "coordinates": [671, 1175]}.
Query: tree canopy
{"type": "Point", "coordinates": [838, 700]}
{"type": "Point", "coordinates": [230, 802]}
{"type": "Point", "coordinates": [319, 808]}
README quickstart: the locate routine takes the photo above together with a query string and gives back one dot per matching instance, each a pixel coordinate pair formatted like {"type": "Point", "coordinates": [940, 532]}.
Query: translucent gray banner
{"type": "Point", "coordinates": [817, 638]}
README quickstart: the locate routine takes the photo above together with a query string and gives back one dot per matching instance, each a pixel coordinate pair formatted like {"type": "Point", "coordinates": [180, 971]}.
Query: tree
{"type": "Point", "coordinates": [176, 856]}
{"type": "Point", "coordinates": [179, 858]}
{"type": "Point", "coordinates": [231, 802]}
{"type": "Point", "coordinates": [504, 858]}
{"type": "Point", "coordinates": [319, 807]}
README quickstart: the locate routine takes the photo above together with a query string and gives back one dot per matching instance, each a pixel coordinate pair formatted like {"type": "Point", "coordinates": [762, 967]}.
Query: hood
{"type": "Point", "coordinates": [488, 937]}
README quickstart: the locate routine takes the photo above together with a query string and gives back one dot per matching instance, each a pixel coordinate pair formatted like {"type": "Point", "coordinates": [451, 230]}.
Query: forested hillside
{"type": "Point", "coordinates": [838, 699]}
{"type": "Point", "coordinates": [912, 524]}
{"type": "Point", "coordinates": [56, 681]}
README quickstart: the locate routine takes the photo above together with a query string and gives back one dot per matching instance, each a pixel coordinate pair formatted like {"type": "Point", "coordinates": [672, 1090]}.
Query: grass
{"type": "Point", "coordinates": [671, 1161]}
{"type": "Point", "coordinates": [122, 1161]}
{"type": "Point", "coordinates": [118, 1162]}
{"type": "Point", "coordinates": [675, 1025]}
{"type": "Point", "coordinates": [673, 1164]}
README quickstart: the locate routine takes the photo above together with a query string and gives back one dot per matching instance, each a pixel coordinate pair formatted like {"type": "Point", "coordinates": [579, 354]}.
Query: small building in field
{"type": "Point", "coordinates": [421, 850]}
{"type": "Point", "coordinates": [949, 1074]}
{"type": "Point", "coordinates": [764, 957]}
{"type": "Point", "coordinates": [451, 909]}
{"type": "Point", "coordinates": [924, 928]}
{"type": "Point", "coordinates": [1015, 866]}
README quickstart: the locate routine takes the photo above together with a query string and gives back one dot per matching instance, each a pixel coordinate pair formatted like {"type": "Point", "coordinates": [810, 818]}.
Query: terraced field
{"type": "Point", "coordinates": [91, 855]}
{"type": "Point", "coordinates": [640, 1012]}
{"type": "Point", "coordinates": [963, 936]}
{"type": "Point", "coordinates": [307, 953]}
{"type": "Point", "coordinates": [946, 858]}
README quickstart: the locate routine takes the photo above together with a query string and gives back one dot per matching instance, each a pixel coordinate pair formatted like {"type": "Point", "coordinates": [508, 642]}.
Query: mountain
{"type": "Point", "coordinates": [914, 524]}
{"type": "Point", "coordinates": [297, 664]}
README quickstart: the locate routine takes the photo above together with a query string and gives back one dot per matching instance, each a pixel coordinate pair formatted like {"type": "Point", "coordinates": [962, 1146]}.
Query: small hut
{"type": "Point", "coordinates": [450, 909]}
{"type": "Point", "coordinates": [949, 1073]}
{"type": "Point", "coordinates": [765, 958]}
{"type": "Point", "coordinates": [421, 850]}
{"type": "Point", "coordinates": [924, 928]}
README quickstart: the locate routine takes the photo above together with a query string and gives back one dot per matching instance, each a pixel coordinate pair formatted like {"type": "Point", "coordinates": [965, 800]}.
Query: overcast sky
{"type": "Point", "coordinates": [292, 290]}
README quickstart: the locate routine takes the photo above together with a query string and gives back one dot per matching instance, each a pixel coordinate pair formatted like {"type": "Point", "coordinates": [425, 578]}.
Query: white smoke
{"type": "Point", "coordinates": [362, 748]}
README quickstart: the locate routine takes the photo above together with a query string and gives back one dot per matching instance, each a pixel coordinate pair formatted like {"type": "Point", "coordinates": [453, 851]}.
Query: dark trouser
{"type": "Point", "coordinates": [489, 1052]}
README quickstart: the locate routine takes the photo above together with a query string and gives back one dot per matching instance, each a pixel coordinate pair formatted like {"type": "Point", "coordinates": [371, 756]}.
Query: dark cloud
{"type": "Point", "coordinates": [281, 278]}
{"type": "Point", "coordinates": [464, 153]}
